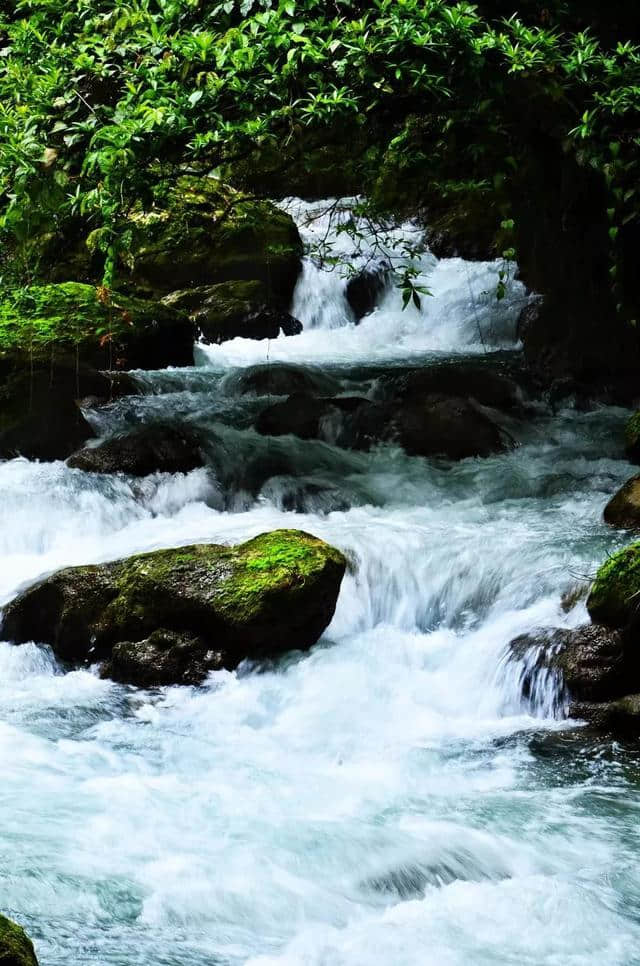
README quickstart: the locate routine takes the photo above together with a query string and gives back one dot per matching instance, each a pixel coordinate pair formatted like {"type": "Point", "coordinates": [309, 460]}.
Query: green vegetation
{"type": "Point", "coordinates": [615, 593]}
{"type": "Point", "coordinates": [16, 948]}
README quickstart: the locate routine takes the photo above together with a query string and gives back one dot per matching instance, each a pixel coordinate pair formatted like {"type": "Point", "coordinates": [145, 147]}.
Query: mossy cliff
{"type": "Point", "coordinates": [262, 598]}
{"type": "Point", "coordinates": [16, 949]}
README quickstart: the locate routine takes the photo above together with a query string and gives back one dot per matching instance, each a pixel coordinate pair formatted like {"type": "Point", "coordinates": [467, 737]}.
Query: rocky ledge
{"type": "Point", "coordinates": [171, 616]}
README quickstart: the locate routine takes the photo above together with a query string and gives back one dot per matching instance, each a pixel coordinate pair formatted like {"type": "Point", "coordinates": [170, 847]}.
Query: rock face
{"type": "Point", "coordinates": [632, 438]}
{"type": "Point", "coordinates": [234, 309]}
{"type": "Point", "coordinates": [615, 595]}
{"type": "Point", "coordinates": [198, 231]}
{"type": "Point", "coordinates": [16, 949]}
{"type": "Point", "coordinates": [173, 615]}
{"type": "Point", "coordinates": [149, 449]}
{"type": "Point", "coordinates": [39, 417]}
{"type": "Point", "coordinates": [623, 510]}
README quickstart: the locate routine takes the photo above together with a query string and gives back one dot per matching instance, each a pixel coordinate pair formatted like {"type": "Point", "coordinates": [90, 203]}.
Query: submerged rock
{"type": "Point", "coordinates": [169, 609]}
{"type": "Point", "coordinates": [39, 415]}
{"type": "Point", "coordinates": [623, 509]}
{"type": "Point", "coordinates": [615, 594]}
{"type": "Point", "coordinates": [237, 309]}
{"type": "Point", "coordinates": [16, 949]}
{"type": "Point", "coordinates": [149, 449]}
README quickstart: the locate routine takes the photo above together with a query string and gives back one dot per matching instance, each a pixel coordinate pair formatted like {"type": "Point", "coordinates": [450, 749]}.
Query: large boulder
{"type": "Point", "coordinates": [234, 309]}
{"type": "Point", "coordinates": [198, 231]}
{"type": "Point", "coordinates": [148, 449]}
{"type": "Point", "coordinates": [39, 415]}
{"type": "Point", "coordinates": [105, 330]}
{"type": "Point", "coordinates": [471, 380]}
{"type": "Point", "coordinates": [281, 379]}
{"type": "Point", "coordinates": [623, 509]}
{"type": "Point", "coordinates": [351, 422]}
{"type": "Point", "coordinates": [191, 609]}
{"type": "Point", "coordinates": [614, 599]}
{"type": "Point", "coordinates": [16, 949]}
{"type": "Point", "coordinates": [448, 426]}
{"type": "Point", "coordinates": [592, 660]}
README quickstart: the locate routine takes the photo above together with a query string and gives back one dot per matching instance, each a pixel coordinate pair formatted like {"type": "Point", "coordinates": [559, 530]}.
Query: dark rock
{"type": "Point", "coordinates": [16, 949]}
{"type": "Point", "coordinates": [448, 426]}
{"type": "Point", "coordinates": [39, 416]}
{"type": "Point", "coordinates": [281, 379]}
{"type": "Point", "coordinates": [528, 318]}
{"type": "Point", "coordinates": [237, 309]}
{"type": "Point", "coordinates": [149, 449]}
{"type": "Point", "coordinates": [272, 594]}
{"type": "Point", "coordinates": [165, 657]}
{"type": "Point", "coordinates": [464, 379]}
{"type": "Point", "coordinates": [632, 438]}
{"type": "Point", "coordinates": [365, 289]}
{"type": "Point", "coordinates": [347, 421]}
{"type": "Point", "coordinates": [593, 660]}
{"type": "Point", "coordinates": [623, 509]}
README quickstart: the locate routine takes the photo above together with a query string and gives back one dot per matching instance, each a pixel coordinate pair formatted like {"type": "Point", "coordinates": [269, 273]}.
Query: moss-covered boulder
{"type": "Point", "coordinates": [16, 949]}
{"type": "Point", "coordinates": [632, 438]}
{"type": "Point", "coordinates": [192, 609]}
{"type": "Point", "coordinates": [237, 309]}
{"type": "Point", "coordinates": [198, 231]}
{"type": "Point", "coordinates": [614, 599]}
{"type": "Point", "coordinates": [623, 509]}
{"type": "Point", "coordinates": [100, 329]}
{"type": "Point", "coordinates": [40, 417]}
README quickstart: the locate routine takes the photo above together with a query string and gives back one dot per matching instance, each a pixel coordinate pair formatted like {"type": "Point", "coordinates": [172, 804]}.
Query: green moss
{"type": "Point", "coordinates": [632, 432]}
{"type": "Point", "coordinates": [16, 948]}
{"type": "Point", "coordinates": [69, 316]}
{"type": "Point", "coordinates": [615, 593]}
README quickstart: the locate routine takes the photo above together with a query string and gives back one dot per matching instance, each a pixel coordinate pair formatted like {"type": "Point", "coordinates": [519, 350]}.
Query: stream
{"type": "Point", "coordinates": [388, 799]}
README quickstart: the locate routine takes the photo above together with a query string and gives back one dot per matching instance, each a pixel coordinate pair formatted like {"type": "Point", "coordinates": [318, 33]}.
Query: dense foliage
{"type": "Point", "coordinates": [99, 98]}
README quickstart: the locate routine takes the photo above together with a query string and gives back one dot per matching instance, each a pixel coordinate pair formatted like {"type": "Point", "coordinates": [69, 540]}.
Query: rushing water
{"type": "Point", "coordinates": [387, 799]}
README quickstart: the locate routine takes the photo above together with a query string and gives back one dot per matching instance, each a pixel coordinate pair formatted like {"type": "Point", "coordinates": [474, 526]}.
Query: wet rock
{"type": "Point", "coordinates": [272, 594]}
{"type": "Point", "coordinates": [632, 438]}
{"type": "Point", "coordinates": [623, 510]}
{"type": "Point", "coordinates": [281, 379]}
{"type": "Point", "coordinates": [198, 231]}
{"type": "Point", "coordinates": [593, 660]}
{"type": "Point", "coordinates": [165, 657]}
{"type": "Point", "coordinates": [16, 949]}
{"type": "Point", "coordinates": [614, 599]}
{"type": "Point", "coordinates": [366, 288]}
{"type": "Point", "coordinates": [150, 449]}
{"type": "Point", "coordinates": [448, 426]}
{"type": "Point", "coordinates": [237, 309]}
{"type": "Point", "coordinates": [467, 380]}
{"type": "Point", "coordinates": [347, 421]}
{"type": "Point", "coordinates": [623, 716]}
{"type": "Point", "coordinates": [39, 415]}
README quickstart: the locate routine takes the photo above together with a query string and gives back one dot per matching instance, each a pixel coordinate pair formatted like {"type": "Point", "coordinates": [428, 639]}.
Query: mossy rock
{"type": "Point", "coordinates": [229, 310]}
{"type": "Point", "coordinates": [623, 509]}
{"type": "Point", "coordinates": [615, 595]}
{"type": "Point", "coordinates": [272, 594]}
{"type": "Point", "coordinates": [16, 949]}
{"type": "Point", "coordinates": [632, 438]}
{"type": "Point", "coordinates": [115, 332]}
{"type": "Point", "coordinates": [200, 232]}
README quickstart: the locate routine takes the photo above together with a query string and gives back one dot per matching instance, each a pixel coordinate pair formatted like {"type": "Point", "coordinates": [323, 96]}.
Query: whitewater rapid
{"type": "Point", "coordinates": [388, 798]}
